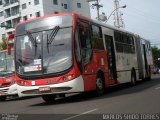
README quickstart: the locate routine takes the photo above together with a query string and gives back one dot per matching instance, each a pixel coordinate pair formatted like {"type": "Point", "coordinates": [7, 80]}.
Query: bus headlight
{"type": "Point", "coordinates": [23, 82]}
{"type": "Point", "coordinates": [8, 80]}
{"type": "Point", "coordinates": [69, 77]}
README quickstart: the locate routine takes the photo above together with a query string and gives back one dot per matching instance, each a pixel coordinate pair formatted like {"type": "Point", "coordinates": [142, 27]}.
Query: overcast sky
{"type": "Point", "coordinates": [140, 16]}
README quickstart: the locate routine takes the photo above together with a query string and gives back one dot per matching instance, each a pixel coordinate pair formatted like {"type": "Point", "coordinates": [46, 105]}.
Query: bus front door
{"type": "Point", "coordinates": [111, 59]}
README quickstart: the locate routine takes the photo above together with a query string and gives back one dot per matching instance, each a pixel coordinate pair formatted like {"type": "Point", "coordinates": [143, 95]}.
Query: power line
{"type": "Point", "coordinates": [144, 13]}
{"type": "Point", "coordinates": [155, 44]}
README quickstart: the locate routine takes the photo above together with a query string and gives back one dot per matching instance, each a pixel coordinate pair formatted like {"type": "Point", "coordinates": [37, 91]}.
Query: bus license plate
{"type": "Point", "coordinates": [45, 89]}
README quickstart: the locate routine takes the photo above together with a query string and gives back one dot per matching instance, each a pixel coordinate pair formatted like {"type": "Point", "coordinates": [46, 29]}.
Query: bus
{"type": "Point", "coordinates": [69, 53]}
{"type": "Point", "coordinates": [7, 80]}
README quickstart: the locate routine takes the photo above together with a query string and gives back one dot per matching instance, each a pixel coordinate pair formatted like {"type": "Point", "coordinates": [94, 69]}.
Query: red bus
{"type": "Point", "coordinates": [7, 81]}
{"type": "Point", "coordinates": [69, 53]}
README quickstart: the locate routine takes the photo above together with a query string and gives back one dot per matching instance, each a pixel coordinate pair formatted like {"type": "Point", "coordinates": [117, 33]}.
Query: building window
{"type": "Point", "coordinates": [29, 3]}
{"type": "Point", "coordinates": [55, 2]}
{"type": "Point", "coordinates": [24, 18]}
{"type": "Point", "coordinates": [9, 33]}
{"type": "Point", "coordinates": [56, 12]}
{"type": "Point", "coordinates": [79, 5]}
{"type": "Point", "coordinates": [30, 15]}
{"type": "Point", "coordinates": [24, 6]}
{"type": "Point", "coordinates": [65, 6]}
{"type": "Point", "coordinates": [62, 4]}
{"type": "Point", "coordinates": [38, 14]}
{"type": "Point", "coordinates": [36, 2]}
{"type": "Point", "coordinates": [3, 36]}
{"type": "Point", "coordinates": [2, 24]}
{"type": "Point", "coordinates": [0, 2]}
{"type": "Point", "coordinates": [1, 14]}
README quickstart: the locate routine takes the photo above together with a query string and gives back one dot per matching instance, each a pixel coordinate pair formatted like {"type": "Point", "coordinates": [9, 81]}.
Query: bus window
{"type": "Point", "coordinates": [2, 61]}
{"type": "Point", "coordinates": [84, 35]}
{"type": "Point", "coordinates": [97, 40]}
{"type": "Point", "coordinates": [118, 36]}
{"type": "Point", "coordinates": [78, 50]}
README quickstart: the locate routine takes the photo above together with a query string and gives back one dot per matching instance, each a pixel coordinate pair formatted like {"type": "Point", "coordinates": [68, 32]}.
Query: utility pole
{"type": "Point", "coordinates": [118, 15]}
{"type": "Point", "coordinates": [98, 6]}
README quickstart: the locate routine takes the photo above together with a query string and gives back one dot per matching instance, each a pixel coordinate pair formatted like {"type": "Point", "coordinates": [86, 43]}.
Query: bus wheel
{"type": "Point", "coordinates": [48, 98]}
{"type": "Point", "coordinates": [133, 78]}
{"type": "Point", "coordinates": [100, 88]}
{"type": "Point", "coordinates": [3, 98]}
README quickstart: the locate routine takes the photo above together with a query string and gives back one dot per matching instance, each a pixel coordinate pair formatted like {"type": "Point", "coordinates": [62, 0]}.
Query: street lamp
{"type": "Point", "coordinates": [114, 11]}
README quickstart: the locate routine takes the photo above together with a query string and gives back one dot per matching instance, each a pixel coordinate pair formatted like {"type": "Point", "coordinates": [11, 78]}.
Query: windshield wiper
{"type": "Point", "coordinates": [31, 38]}
{"type": "Point", "coordinates": [52, 36]}
{"type": "Point", "coordinates": [59, 44]}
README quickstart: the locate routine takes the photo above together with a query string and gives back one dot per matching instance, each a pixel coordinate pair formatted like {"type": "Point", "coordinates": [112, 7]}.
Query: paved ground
{"type": "Point", "coordinates": [142, 98]}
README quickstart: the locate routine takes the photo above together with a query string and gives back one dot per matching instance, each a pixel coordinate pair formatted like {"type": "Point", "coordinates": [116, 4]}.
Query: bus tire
{"type": "Point", "coordinates": [49, 98]}
{"type": "Point", "coordinates": [100, 87]}
{"type": "Point", "coordinates": [149, 78]}
{"type": "Point", "coordinates": [133, 78]}
{"type": "Point", "coordinates": [3, 98]}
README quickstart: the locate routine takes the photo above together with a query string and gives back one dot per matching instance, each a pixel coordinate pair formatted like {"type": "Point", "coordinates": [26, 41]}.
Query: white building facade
{"type": "Point", "coordinates": [15, 11]}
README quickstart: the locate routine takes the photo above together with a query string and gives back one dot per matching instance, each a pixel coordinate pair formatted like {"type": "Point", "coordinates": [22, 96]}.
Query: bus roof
{"type": "Point", "coordinates": [85, 18]}
{"type": "Point", "coordinates": [51, 15]}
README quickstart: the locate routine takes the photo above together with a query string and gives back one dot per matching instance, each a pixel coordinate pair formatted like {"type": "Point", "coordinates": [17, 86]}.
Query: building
{"type": "Point", "coordinates": [14, 11]}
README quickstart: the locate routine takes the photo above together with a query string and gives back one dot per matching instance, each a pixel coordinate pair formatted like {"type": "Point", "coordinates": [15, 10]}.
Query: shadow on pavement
{"type": "Point", "coordinates": [114, 91]}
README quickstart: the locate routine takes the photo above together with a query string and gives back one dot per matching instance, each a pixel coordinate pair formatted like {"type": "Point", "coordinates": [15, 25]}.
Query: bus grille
{"type": "Point", "coordinates": [53, 90]}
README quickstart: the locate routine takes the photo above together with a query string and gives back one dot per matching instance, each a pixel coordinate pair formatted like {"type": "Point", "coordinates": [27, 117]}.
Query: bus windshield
{"type": "Point", "coordinates": [6, 64]}
{"type": "Point", "coordinates": [44, 49]}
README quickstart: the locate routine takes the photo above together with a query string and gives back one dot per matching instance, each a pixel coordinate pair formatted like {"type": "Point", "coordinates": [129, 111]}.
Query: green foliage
{"type": "Point", "coordinates": [3, 44]}
{"type": "Point", "coordinates": [155, 52]}
{"type": "Point", "coordinates": [156, 55]}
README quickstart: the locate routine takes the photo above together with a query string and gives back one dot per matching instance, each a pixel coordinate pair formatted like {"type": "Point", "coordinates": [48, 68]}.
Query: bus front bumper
{"type": "Point", "coordinates": [73, 86]}
{"type": "Point", "coordinates": [9, 91]}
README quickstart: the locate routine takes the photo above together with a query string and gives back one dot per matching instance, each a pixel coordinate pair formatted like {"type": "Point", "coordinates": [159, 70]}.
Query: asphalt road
{"type": "Point", "coordinates": [142, 100]}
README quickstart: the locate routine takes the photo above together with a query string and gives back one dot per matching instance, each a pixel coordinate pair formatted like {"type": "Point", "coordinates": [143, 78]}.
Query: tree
{"type": "Point", "coordinates": [3, 44]}
{"type": "Point", "coordinates": [156, 55]}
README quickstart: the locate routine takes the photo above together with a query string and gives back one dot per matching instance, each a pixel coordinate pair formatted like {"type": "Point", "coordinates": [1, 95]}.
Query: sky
{"type": "Point", "coordinates": [140, 17]}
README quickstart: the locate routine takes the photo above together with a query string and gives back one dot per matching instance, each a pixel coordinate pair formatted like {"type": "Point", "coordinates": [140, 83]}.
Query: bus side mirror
{"type": "Point", "coordinates": [10, 42]}
{"type": "Point", "coordinates": [82, 26]}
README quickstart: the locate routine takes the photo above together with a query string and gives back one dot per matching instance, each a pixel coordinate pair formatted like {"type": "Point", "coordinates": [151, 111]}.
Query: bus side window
{"type": "Point", "coordinates": [97, 39]}
{"type": "Point", "coordinates": [84, 35]}
{"type": "Point", "coordinates": [78, 50]}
